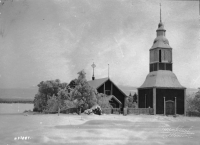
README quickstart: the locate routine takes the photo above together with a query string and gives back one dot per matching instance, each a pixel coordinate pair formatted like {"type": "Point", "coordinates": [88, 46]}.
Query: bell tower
{"type": "Point", "coordinates": [161, 89]}
{"type": "Point", "coordinates": [160, 52]}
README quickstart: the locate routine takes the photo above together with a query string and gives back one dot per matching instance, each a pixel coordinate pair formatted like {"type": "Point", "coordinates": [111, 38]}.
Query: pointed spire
{"type": "Point", "coordinates": [108, 70]}
{"type": "Point", "coordinates": [160, 13]}
{"type": "Point", "coordinates": [160, 25]}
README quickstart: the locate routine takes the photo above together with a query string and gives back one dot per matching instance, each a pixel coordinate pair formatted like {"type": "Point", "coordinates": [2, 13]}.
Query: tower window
{"type": "Point", "coordinates": [159, 55]}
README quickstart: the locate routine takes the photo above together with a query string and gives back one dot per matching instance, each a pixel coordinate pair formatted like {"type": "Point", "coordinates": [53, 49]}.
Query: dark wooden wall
{"type": "Point", "coordinates": [108, 85]}
{"type": "Point", "coordinates": [149, 98]}
{"type": "Point", "coordinates": [119, 95]}
{"type": "Point", "coordinates": [101, 89]}
{"type": "Point", "coordinates": [169, 94]}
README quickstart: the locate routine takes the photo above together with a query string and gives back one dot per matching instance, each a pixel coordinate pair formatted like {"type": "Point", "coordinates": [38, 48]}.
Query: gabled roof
{"type": "Point", "coordinates": [161, 79]}
{"type": "Point", "coordinates": [98, 82]}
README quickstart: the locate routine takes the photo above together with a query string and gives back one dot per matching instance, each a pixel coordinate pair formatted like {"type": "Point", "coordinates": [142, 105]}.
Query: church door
{"type": "Point", "coordinates": [170, 108]}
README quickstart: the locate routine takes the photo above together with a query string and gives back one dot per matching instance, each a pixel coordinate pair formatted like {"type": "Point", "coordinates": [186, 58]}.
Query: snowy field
{"type": "Point", "coordinates": [18, 129]}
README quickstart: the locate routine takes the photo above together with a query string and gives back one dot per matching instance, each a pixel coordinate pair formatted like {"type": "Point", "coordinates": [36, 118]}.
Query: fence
{"type": "Point", "coordinates": [148, 111]}
{"type": "Point", "coordinates": [197, 114]}
{"type": "Point", "coordinates": [111, 110]}
{"type": "Point", "coordinates": [116, 110]}
{"type": "Point", "coordinates": [106, 110]}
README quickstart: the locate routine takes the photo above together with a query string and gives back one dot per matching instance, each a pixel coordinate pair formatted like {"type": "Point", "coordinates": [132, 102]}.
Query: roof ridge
{"type": "Point", "coordinates": [99, 79]}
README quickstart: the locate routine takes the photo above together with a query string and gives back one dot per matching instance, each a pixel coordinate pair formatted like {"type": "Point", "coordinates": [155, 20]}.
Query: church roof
{"type": "Point", "coordinates": [161, 79]}
{"type": "Point", "coordinates": [98, 82]}
{"type": "Point", "coordinates": [160, 42]}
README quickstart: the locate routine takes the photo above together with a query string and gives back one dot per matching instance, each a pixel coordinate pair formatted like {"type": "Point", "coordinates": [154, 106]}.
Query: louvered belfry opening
{"type": "Point", "coordinates": [160, 59]}
{"type": "Point", "coordinates": [159, 55]}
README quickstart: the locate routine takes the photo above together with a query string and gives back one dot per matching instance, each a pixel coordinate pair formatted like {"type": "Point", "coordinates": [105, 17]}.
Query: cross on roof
{"type": "Point", "coordinates": [93, 66]}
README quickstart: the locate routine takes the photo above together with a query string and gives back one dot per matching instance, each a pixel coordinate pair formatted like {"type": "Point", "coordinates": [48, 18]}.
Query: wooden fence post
{"type": "Point", "coordinates": [154, 101]}
{"type": "Point", "coordinates": [164, 107]}
{"type": "Point", "coordinates": [149, 110]}
{"type": "Point", "coordinates": [175, 105]}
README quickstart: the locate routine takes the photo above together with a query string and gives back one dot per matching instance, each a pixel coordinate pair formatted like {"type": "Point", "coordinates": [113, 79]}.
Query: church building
{"type": "Point", "coordinates": [107, 86]}
{"type": "Point", "coordinates": [161, 90]}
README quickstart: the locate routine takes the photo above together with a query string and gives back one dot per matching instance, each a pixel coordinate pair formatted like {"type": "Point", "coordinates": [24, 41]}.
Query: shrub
{"type": "Point", "coordinates": [193, 103]}
{"type": "Point", "coordinates": [103, 101]}
{"type": "Point", "coordinates": [131, 101]}
{"type": "Point", "coordinates": [68, 104]}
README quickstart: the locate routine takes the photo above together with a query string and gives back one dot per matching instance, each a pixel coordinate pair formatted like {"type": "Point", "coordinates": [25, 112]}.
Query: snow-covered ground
{"type": "Point", "coordinates": [65, 129]}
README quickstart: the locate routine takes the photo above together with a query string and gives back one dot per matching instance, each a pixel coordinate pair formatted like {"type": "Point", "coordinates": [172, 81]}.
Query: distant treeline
{"type": "Point", "coordinates": [15, 100]}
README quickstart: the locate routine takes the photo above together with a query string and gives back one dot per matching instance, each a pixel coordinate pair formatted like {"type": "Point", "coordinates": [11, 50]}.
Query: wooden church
{"type": "Point", "coordinates": [161, 90]}
{"type": "Point", "coordinates": [106, 86]}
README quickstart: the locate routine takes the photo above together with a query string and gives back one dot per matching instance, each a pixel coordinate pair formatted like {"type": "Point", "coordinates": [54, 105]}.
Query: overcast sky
{"type": "Point", "coordinates": [49, 39]}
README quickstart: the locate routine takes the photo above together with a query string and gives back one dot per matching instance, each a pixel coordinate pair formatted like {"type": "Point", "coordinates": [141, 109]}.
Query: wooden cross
{"type": "Point", "coordinates": [93, 66]}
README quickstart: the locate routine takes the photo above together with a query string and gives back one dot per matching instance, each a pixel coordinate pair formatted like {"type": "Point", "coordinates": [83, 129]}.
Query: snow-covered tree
{"type": "Point", "coordinates": [103, 100]}
{"type": "Point", "coordinates": [193, 103]}
{"type": "Point", "coordinates": [83, 92]}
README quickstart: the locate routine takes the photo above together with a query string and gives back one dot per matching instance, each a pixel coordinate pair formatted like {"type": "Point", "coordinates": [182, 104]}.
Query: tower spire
{"type": "Point", "coordinates": [160, 25]}
{"type": "Point", "coordinates": [160, 13]}
{"type": "Point", "coordinates": [108, 70]}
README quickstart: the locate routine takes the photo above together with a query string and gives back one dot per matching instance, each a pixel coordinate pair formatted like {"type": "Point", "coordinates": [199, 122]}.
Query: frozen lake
{"type": "Point", "coordinates": [12, 108]}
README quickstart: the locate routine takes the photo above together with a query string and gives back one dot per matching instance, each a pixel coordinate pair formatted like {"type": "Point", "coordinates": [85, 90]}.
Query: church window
{"type": "Point", "coordinates": [108, 92]}
{"type": "Point", "coordinates": [152, 56]}
{"type": "Point", "coordinates": [163, 56]}
{"type": "Point", "coordinates": [108, 85]}
{"type": "Point", "coordinates": [159, 55]}
{"type": "Point", "coordinates": [156, 55]}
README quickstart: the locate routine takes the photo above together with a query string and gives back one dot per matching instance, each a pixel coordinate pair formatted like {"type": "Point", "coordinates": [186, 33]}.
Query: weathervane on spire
{"type": "Point", "coordinates": [93, 66]}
